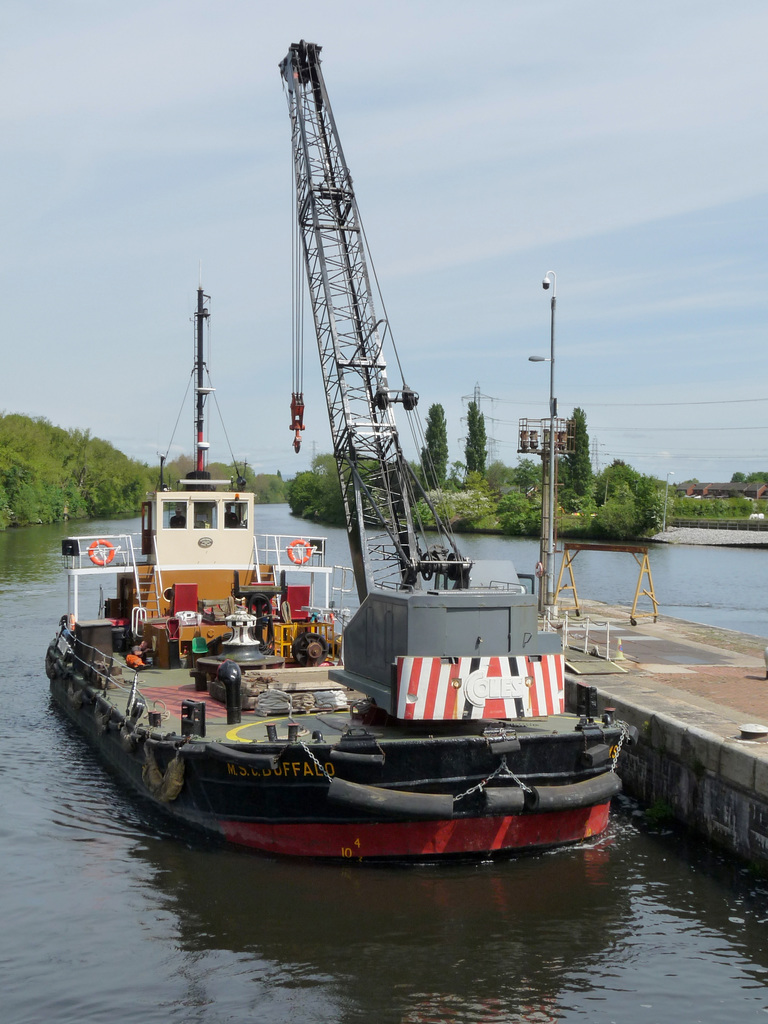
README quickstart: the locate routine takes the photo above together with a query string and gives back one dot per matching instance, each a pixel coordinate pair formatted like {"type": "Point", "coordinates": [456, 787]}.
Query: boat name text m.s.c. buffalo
{"type": "Point", "coordinates": [288, 770]}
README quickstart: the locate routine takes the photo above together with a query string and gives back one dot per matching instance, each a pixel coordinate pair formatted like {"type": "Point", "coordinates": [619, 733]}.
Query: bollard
{"type": "Point", "coordinates": [229, 674]}
{"type": "Point", "coordinates": [193, 718]}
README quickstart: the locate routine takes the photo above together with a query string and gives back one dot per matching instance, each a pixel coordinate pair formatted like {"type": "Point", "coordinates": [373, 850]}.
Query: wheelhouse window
{"type": "Point", "coordinates": [174, 515]}
{"type": "Point", "coordinates": [236, 515]}
{"type": "Point", "coordinates": [205, 515]}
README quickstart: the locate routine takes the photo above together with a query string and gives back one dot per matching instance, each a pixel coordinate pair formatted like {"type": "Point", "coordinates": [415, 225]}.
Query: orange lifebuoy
{"type": "Point", "coordinates": [101, 552]}
{"type": "Point", "coordinates": [539, 569]}
{"type": "Point", "coordinates": [300, 551]}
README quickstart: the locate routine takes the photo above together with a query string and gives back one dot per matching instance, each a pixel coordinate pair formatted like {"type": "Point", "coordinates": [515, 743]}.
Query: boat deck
{"type": "Point", "coordinates": [169, 691]}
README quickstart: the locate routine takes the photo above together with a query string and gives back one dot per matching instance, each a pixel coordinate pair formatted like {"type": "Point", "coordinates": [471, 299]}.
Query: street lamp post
{"type": "Point", "coordinates": [550, 278]}
{"type": "Point", "coordinates": [666, 492]}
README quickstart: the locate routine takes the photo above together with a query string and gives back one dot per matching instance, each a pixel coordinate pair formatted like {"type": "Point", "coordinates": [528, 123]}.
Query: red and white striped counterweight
{"type": "Point", "coordinates": [445, 689]}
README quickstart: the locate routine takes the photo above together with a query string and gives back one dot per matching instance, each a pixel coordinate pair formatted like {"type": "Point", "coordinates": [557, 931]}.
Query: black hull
{"type": "Point", "coordinates": [362, 798]}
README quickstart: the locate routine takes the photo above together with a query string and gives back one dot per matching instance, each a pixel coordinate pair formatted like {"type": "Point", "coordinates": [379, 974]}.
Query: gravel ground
{"type": "Point", "coordinates": [728, 538]}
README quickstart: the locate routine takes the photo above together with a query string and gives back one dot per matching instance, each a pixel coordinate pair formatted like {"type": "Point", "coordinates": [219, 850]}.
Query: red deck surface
{"type": "Point", "coordinates": [172, 696]}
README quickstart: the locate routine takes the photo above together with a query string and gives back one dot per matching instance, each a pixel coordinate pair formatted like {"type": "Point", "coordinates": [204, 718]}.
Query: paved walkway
{"type": "Point", "coordinates": [714, 670]}
{"type": "Point", "coordinates": [690, 691]}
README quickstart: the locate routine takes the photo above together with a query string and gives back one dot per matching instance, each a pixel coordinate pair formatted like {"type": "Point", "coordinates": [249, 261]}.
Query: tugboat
{"type": "Point", "coordinates": [440, 733]}
{"type": "Point", "coordinates": [201, 582]}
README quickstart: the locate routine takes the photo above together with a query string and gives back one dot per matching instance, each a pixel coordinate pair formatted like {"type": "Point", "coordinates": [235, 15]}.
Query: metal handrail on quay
{"type": "Point", "coordinates": [720, 524]}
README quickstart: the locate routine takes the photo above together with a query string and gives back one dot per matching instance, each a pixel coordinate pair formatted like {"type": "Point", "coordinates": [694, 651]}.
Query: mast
{"type": "Point", "coordinates": [201, 391]}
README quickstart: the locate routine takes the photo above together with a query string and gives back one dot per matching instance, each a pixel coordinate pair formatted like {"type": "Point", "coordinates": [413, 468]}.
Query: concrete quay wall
{"type": "Point", "coordinates": [690, 756]}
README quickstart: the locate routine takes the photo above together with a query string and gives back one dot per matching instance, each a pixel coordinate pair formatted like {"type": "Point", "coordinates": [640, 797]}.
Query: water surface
{"type": "Point", "coordinates": [109, 916]}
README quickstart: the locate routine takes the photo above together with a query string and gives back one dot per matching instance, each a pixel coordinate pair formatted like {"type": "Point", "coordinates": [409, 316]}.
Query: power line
{"type": "Point", "coordinates": [514, 423]}
{"type": "Point", "coordinates": [675, 453]}
{"type": "Point", "coordinates": [637, 405]}
{"type": "Point", "coordinates": [624, 405]}
{"type": "Point", "coordinates": [678, 430]}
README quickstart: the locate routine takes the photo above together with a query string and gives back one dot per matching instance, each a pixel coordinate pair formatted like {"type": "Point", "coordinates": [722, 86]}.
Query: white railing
{"type": "Point", "coordinates": [111, 552]}
{"type": "Point", "coordinates": [590, 644]}
{"type": "Point", "coordinates": [116, 553]}
{"type": "Point", "coordinates": [102, 554]}
{"type": "Point", "coordinates": [274, 549]}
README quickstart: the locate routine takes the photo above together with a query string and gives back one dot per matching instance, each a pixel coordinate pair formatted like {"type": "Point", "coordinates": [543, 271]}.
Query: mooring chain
{"type": "Point", "coordinates": [617, 750]}
{"type": "Point", "coordinates": [312, 757]}
{"type": "Point", "coordinates": [504, 771]}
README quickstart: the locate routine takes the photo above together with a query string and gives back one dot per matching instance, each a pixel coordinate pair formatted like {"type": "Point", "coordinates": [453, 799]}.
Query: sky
{"type": "Point", "coordinates": [622, 146]}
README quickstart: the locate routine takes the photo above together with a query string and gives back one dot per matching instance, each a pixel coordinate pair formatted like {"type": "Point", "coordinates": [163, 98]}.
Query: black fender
{"type": "Point", "coordinates": [52, 662]}
{"type": "Point", "coordinates": [221, 752]}
{"type": "Point", "coordinates": [349, 757]}
{"type": "Point", "coordinates": [504, 800]}
{"type": "Point", "coordinates": [589, 793]}
{"type": "Point", "coordinates": [390, 803]}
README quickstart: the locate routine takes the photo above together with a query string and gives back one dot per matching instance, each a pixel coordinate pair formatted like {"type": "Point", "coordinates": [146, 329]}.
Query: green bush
{"type": "Point", "coordinates": [316, 493]}
{"type": "Point", "coordinates": [47, 473]}
{"type": "Point", "coordinates": [519, 516]}
{"type": "Point", "coordinates": [618, 518]}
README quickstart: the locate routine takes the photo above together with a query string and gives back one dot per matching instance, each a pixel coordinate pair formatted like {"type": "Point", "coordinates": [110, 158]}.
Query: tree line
{"type": "Point", "coordinates": [49, 474]}
{"type": "Point", "coordinates": [617, 503]}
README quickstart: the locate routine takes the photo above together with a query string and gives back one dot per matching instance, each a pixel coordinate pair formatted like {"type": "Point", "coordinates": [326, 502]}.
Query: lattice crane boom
{"type": "Point", "coordinates": [378, 486]}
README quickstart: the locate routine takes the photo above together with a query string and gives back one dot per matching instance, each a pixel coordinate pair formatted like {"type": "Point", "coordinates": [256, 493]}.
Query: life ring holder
{"type": "Point", "coordinates": [101, 552]}
{"type": "Point", "coordinates": [300, 551]}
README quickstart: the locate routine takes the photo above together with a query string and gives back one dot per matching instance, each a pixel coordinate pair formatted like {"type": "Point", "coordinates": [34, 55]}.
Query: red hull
{"type": "Point", "coordinates": [422, 839]}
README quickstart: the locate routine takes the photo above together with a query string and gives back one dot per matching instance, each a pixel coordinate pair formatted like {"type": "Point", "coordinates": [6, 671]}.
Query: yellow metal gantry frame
{"type": "Point", "coordinates": [569, 554]}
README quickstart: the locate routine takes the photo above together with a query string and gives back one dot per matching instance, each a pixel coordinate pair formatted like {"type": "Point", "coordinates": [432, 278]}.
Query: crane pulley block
{"type": "Point", "coordinates": [297, 411]}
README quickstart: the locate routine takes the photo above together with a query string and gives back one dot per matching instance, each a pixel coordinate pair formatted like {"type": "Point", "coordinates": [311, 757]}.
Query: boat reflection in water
{"type": "Point", "coordinates": [489, 942]}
